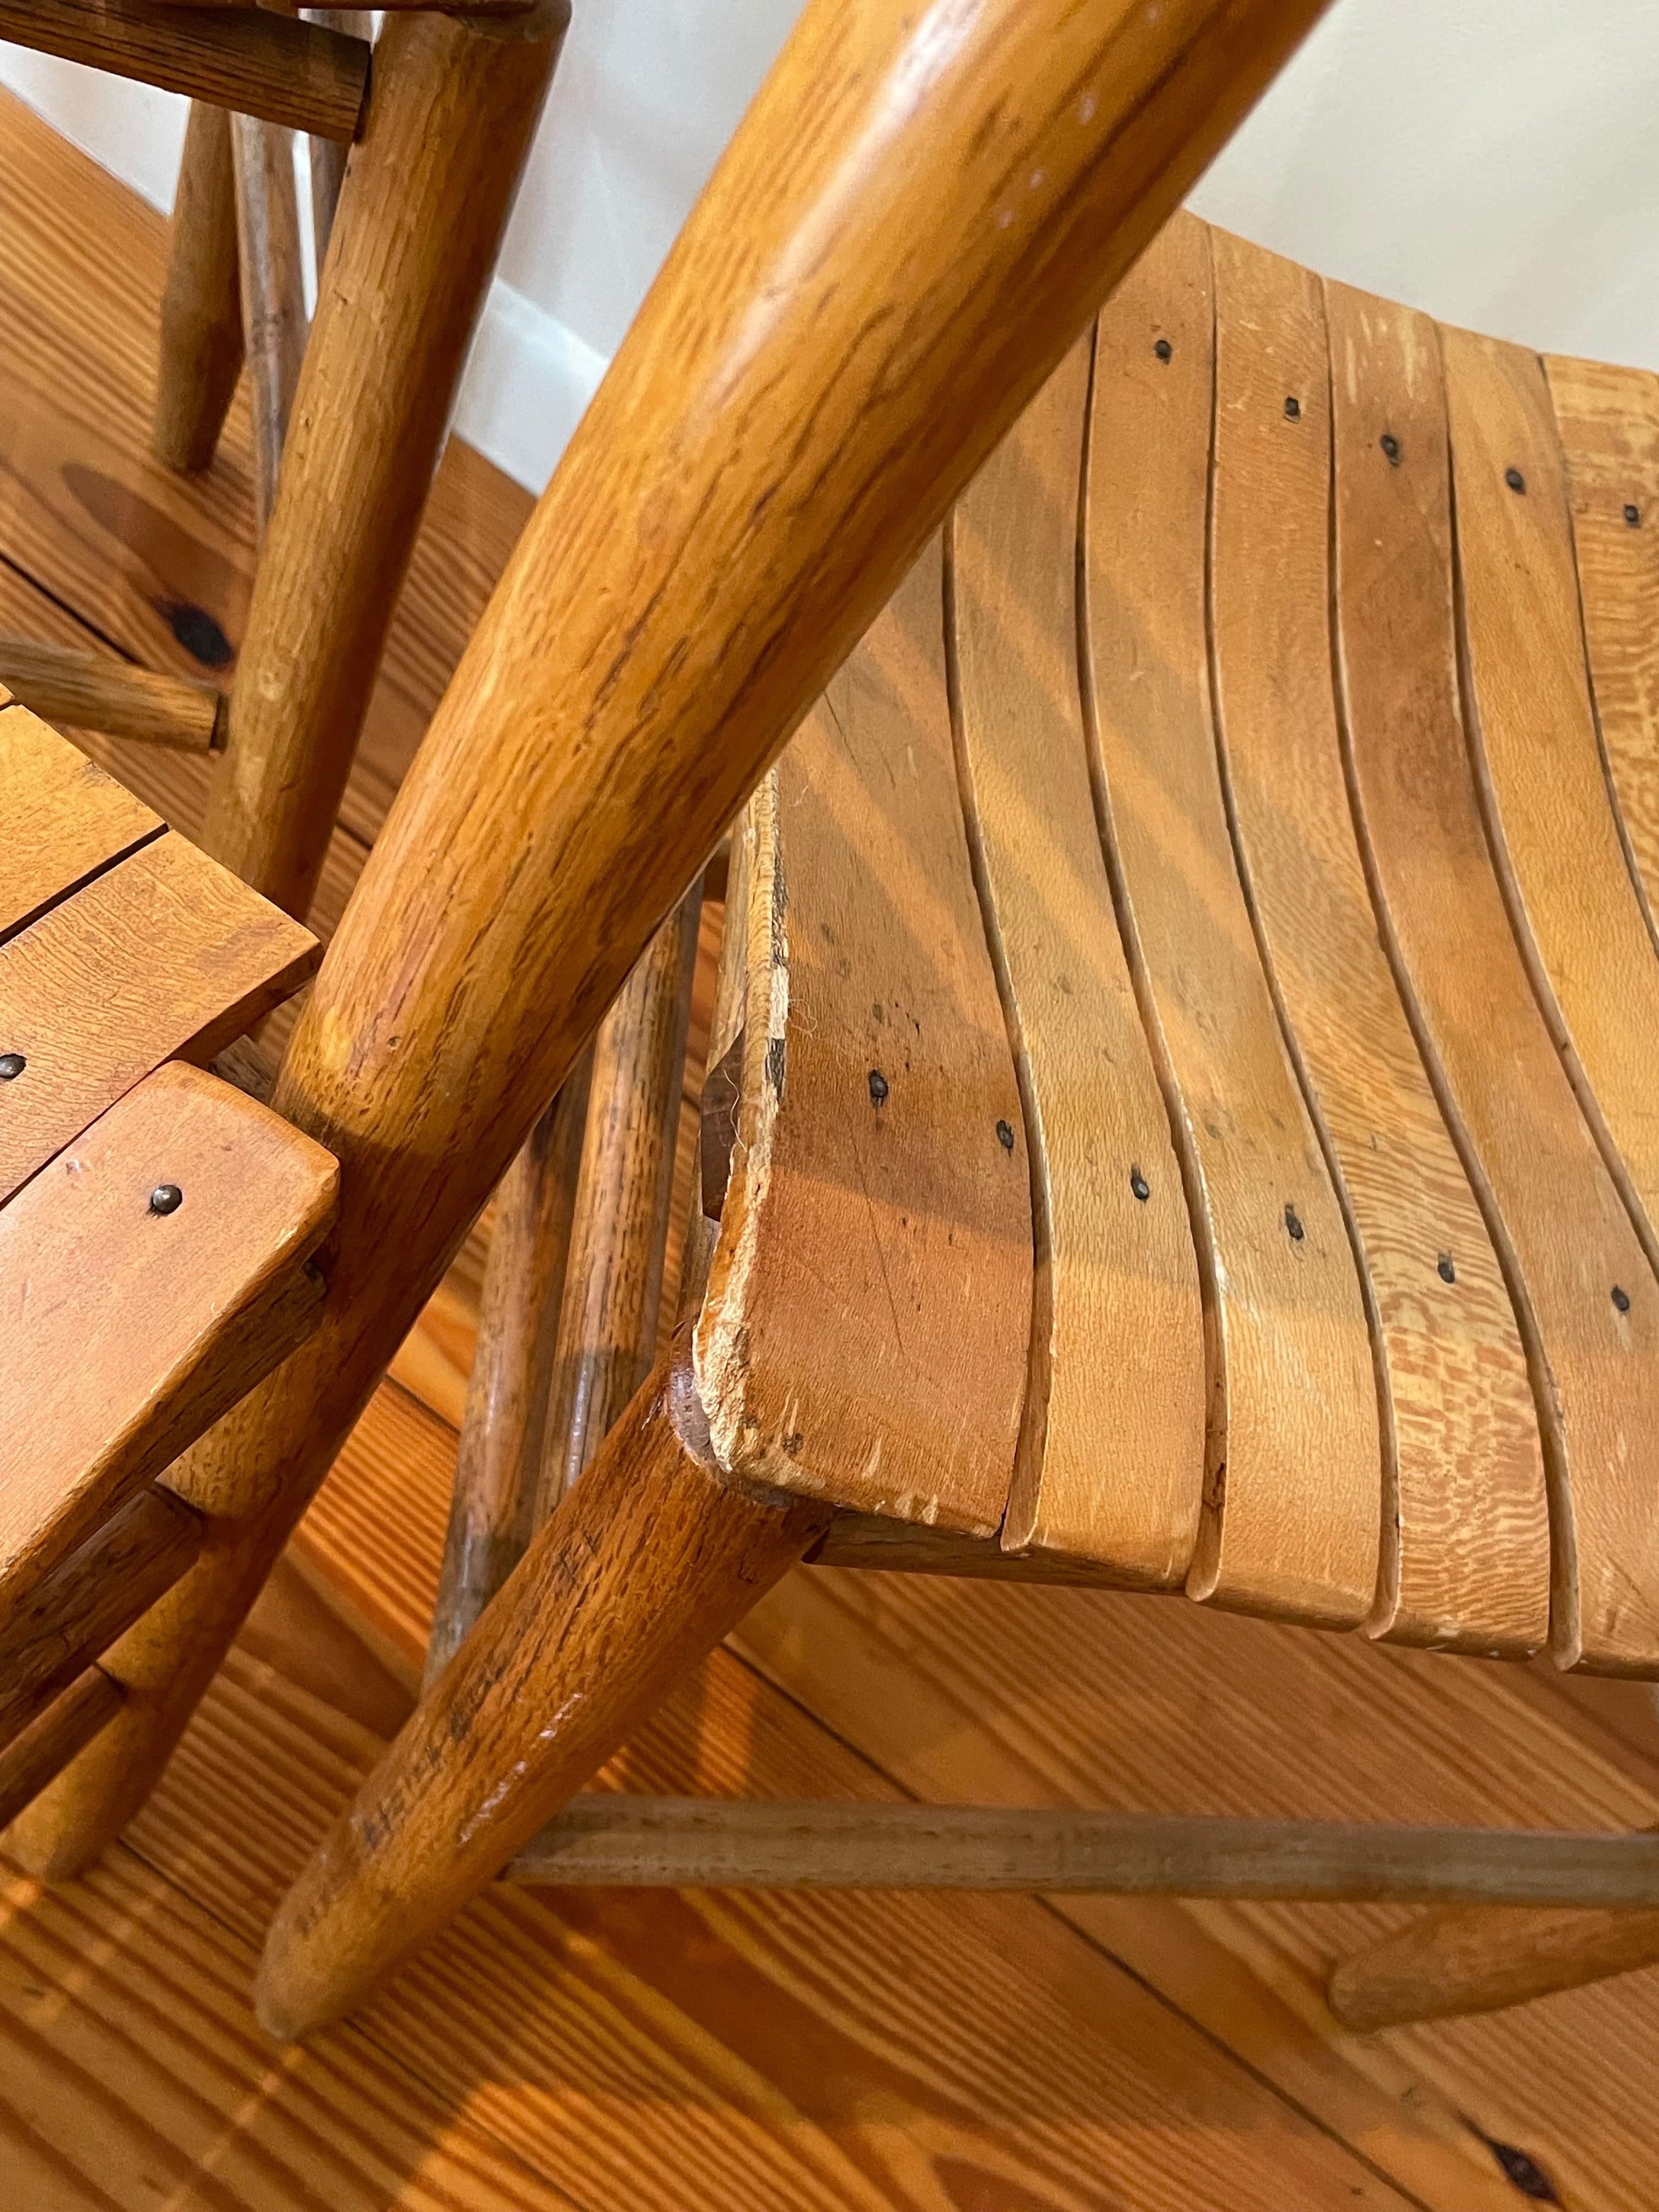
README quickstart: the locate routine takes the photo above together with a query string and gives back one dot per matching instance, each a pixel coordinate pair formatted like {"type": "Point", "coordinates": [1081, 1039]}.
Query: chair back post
{"type": "Point", "coordinates": [921, 209]}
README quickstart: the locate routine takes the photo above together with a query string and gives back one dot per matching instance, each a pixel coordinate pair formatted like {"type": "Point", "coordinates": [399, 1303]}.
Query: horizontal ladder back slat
{"type": "Point", "coordinates": [1563, 1237]}
{"type": "Point", "coordinates": [1465, 1521]}
{"type": "Point", "coordinates": [1293, 1482]}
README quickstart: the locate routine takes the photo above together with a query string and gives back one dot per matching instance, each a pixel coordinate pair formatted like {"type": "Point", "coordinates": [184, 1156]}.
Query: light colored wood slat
{"type": "Point", "coordinates": [1111, 1448]}
{"type": "Point", "coordinates": [1609, 420]}
{"type": "Point", "coordinates": [738, 1843]}
{"type": "Point", "coordinates": [272, 291]}
{"type": "Point", "coordinates": [1563, 1237]}
{"type": "Point", "coordinates": [46, 1746]}
{"type": "Point", "coordinates": [91, 691]}
{"type": "Point", "coordinates": [125, 1332]}
{"type": "Point", "coordinates": [1544, 789]}
{"type": "Point", "coordinates": [875, 1243]}
{"type": "Point", "coordinates": [53, 1628]}
{"type": "Point", "coordinates": [165, 953]}
{"type": "Point", "coordinates": [1293, 1464]}
{"type": "Point", "coordinates": [1466, 1562]}
{"type": "Point", "coordinates": [243, 58]}
{"type": "Point", "coordinates": [65, 819]}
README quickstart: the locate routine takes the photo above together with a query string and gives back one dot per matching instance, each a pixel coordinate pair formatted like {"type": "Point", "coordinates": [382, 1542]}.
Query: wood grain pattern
{"type": "Point", "coordinates": [644, 1567]}
{"type": "Point", "coordinates": [1556, 1221]}
{"type": "Point", "coordinates": [246, 59]}
{"type": "Point", "coordinates": [607, 1328]}
{"type": "Point", "coordinates": [127, 1331]}
{"type": "Point", "coordinates": [876, 1233]}
{"type": "Point", "coordinates": [1110, 1463]}
{"type": "Point", "coordinates": [419, 226]}
{"type": "Point", "coordinates": [272, 284]}
{"type": "Point", "coordinates": [328, 155]}
{"type": "Point", "coordinates": [163, 953]}
{"type": "Point", "coordinates": [45, 1747]}
{"type": "Point", "coordinates": [52, 1629]}
{"type": "Point", "coordinates": [66, 820]}
{"type": "Point", "coordinates": [201, 349]}
{"type": "Point", "coordinates": [1544, 791]}
{"type": "Point", "coordinates": [92, 691]}
{"type": "Point", "coordinates": [1293, 1481]}
{"type": "Point", "coordinates": [498, 1466]}
{"type": "Point", "coordinates": [1608, 421]}
{"type": "Point", "coordinates": [1465, 1521]}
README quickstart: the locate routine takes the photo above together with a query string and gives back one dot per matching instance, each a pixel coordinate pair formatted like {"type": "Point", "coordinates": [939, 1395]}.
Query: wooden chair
{"type": "Point", "coordinates": [156, 1224]}
{"type": "Point", "coordinates": [438, 132]}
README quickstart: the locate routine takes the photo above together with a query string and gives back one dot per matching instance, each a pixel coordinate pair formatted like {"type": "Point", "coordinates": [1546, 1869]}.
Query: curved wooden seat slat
{"type": "Point", "coordinates": [1557, 1222]}
{"type": "Point", "coordinates": [1293, 1484]}
{"type": "Point", "coordinates": [1465, 1538]}
{"type": "Point", "coordinates": [1608, 420]}
{"type": "Point", "coordinates": [1560, 858]}
{"type": "Point", "coordinates": [1111, 1456]}
{"type": "Point", "coordinates": [866, 1328]}
{"type": "Point", "coordinates": [65, 818]}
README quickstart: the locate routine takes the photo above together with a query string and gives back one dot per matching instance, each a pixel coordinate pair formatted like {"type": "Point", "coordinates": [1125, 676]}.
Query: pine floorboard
{"type": "Point", "coordinates": [894, 2054]}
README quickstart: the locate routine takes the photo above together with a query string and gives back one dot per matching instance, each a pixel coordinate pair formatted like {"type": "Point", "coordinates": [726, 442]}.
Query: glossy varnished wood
{"type": "Point", "coordinates": [91, 691]}
{"type": "Point", "coordinates": [1293, 1473]}
{"type": "Point", "coordinates": [201, 347]}
{"type": "Point", "coordinates": [1564, 1238]}
{"type": "Point", "coordinates": [1111, 1449]}
{"type": "Point", "coordinates": [272, 291]}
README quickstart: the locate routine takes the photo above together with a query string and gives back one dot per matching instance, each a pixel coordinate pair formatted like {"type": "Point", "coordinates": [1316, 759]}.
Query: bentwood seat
{"type": "Point", "coordinates": [1177, 1119]}
{"type": "Point", "coordinates": [156, 1224]}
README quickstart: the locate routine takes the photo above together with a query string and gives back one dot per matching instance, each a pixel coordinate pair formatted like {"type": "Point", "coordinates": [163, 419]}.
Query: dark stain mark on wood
{"type": "Point", "coordinates": [1519, 2167]}
{"type": "Point", "coordinates": [199, 635]}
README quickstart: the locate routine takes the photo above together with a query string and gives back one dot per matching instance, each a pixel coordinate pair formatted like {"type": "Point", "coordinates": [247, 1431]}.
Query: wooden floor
{"type": "Point", "coordinates": [814, 2055]}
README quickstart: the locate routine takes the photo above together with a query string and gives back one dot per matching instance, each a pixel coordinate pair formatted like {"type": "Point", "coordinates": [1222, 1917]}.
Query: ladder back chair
{"type": "Point", "coordinates": [1176, 1124]}
{"type": "Point", "coordinates": [156, 1224]}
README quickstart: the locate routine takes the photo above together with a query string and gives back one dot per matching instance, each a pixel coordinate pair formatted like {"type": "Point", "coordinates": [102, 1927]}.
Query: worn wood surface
{"type": "Point", "coordinates": [66, 820]}
{"type": "Point", "coordinates": [1110, 1463]}
{"type": "Point", "coordinates": [271, 283]}
{"type": "Point", "coordinates": [1293, 1472]}
{"type": "Point", "coordinates": [328, 155]}
{"type": "Point", "coordinates": [127, 1330]}
{"type": "Point", "coordinates": [45, 1747]}
{"type": "Point", "coordinates": [1564, 1239]}
{"type": "Point", "coordinates": [91, 691]}
{"type": "Point", "coordinates": [245, 59]}
{"type": "Point", "coordinates": [201, 339]}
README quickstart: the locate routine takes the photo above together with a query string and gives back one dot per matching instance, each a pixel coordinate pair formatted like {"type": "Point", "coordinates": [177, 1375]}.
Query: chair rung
{"type": "Point", "coordinates": [44, 1749]}
{"type": "Point", "coordinates": [248, 59]}
{"type": "Point", "coordinates": [92, 692]}
{"type": "Point", "coordinates": [698, 1843]}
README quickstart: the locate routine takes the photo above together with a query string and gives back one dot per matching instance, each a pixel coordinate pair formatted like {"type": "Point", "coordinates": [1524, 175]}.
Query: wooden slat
{"type": "Point", "coordinates": [1608, 420]}
{"type": "Point", "coordinates": [166, 953]}
{"type": "Point", "coordinates": [125, 1332]}
{"type": "Point", "coordinates": [1564, 1238]}
{"type": "Point", "coordinates": [1111, 1451]}
{"type": "Point", "coordinates": [1293, 1481]}
{"type": "Point", "coordinates": [1465, 1521]}
{"type": "Point", "coordinates": [1544, 790]}
{"type": "Point", "coordinates": [243, 58]}
{"type": "Point", "coordinates": [876, 1242]}
{"type": "Point", "coordinates": [65, 818]}
{"type": "Point", "coordinates": [94, 691]}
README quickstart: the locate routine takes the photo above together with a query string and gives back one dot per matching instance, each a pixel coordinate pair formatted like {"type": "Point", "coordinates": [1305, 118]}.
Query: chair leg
{"type": "Point", "coordinates": [455, 100]}
{"type": "Point", "coordinates": [646, 1565]}
{"type": "Point", "coordinates": [272, 291]}
{"type": "Point", "coordinates": [1470, 1959]}
{"type": "Point", "coordinates": [201, 308]}
{"type": "Point", "coordinates": [328, 155]}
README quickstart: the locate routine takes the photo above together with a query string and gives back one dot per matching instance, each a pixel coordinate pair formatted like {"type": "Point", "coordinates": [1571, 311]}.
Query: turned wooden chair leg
{"type": "Point", "coordinates": [201, 308]}
{"type": "Point", "coordinates": [454, 103]}
{"type": "Point", "coordinates": [646, 1565]}
{"type": "Point", "coordinates": [272, 293]}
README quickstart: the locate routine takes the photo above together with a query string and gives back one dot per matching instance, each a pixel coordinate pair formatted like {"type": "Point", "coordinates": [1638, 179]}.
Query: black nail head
{"type": "Point", "coordinates": [1293, 411]}
{"type": "Point", "coordinates": [1005, 1137]}
{"type": "Point", "coordinates": [1515, 480]}
{"type": "Point", "coordinates": [1621, 1298]}
{"type": "Point", "coordinates": [1391, 446]}
{"type": "Point", "coordinates": [1445, 1268]}
{"type": "Point", "coordinates": [12, 1065]}
{"type": "Point", "coordinates": [166, 1198]}
{"type": "Point", "coordinates": [1163, 350]}
{"type": "Point", "coordinates": [1139, 1184]}
{"type": "Point", "coordinates": [878, 1087]}
{"type": "Point", "coordinates": [1294, 1225]}
{"type": "Point", "coordinates": [1633, 515]}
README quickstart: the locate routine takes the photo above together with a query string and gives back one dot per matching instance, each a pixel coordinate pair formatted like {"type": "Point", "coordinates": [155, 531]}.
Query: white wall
{"type": "Point", "coordinates": [1493, 161]}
